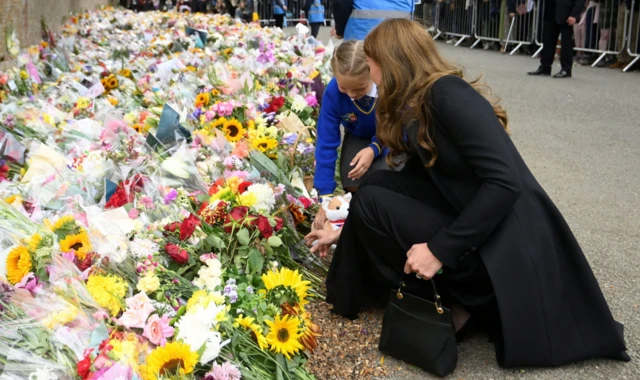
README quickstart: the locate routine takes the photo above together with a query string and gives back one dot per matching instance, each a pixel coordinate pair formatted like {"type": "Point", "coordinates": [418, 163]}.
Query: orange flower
{"type": "Point", "coordinates": [241, 149]}
{"type": "Point", "coordinates": [202, 99]}
{"type": "Point", "coordinates": [298, 215]}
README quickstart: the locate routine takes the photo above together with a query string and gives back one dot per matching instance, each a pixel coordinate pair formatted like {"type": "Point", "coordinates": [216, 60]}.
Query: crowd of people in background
{"type": "Point", "coordinates": [242, 9]}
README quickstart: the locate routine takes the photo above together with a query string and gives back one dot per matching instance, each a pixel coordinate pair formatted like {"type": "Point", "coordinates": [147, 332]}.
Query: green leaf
{"type": "Point", "coordinates": [215, 241]}
{"type": "Point", "coordinates": [281, 367]}
{"type": "Point", "coordinates": [243, 236]}
{"type": "Point", "coordinates": [274, 241]}
{"type": "Point", "coordinates": [256, 261]}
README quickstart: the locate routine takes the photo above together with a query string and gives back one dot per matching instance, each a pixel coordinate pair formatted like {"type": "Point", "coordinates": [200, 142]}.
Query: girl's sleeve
{"type": "Point", "coordinates": [327, 145]}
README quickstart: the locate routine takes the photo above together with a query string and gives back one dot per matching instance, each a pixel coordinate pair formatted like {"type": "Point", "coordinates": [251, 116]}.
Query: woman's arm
{"type": "Point", "coordinates": [468, 118]}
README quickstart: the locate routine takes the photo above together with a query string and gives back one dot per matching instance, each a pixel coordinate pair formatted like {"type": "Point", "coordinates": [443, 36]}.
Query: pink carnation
{"type": "Point", "coordinates": [226, 371]}
{"type": "Point", "coordinates": [134, 213]}
{"type": "Point", "coordinates": [311, 99]}
{"type": "Point", "coordinates": [139, 308]}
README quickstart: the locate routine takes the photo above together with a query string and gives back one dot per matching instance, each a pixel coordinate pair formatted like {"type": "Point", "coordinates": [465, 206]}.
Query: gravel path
{"type": "Point", "coordinates": [581, 138]}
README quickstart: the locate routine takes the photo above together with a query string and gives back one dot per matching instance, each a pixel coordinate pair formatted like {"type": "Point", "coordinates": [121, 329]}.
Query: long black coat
{"type": "Point", "coordinates": [560, 10]}
{"type": "Point", "coordinates": [551, 307]}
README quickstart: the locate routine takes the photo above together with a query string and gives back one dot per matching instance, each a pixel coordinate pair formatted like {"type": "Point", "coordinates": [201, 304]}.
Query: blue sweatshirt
{"type": "Point", "coordinates": [338, 108]}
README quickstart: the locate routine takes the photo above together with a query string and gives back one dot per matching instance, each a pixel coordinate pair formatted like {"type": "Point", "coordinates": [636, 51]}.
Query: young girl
{"type": "Point", "coordinates": [349, 100]}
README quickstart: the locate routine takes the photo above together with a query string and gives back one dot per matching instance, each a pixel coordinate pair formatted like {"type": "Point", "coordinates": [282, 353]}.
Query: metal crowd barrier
{"type": "Point", "coordinates": [294, 11]}
{"type": "Point", "coordinates": [633, 35]}
{"type": "Point", "coordinates": [455, 19]}
{"type": "Point", "coordinates": [425, 12]}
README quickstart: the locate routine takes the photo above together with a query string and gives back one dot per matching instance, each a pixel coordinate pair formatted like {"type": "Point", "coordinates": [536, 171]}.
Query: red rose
{"type": "Point", "coordinates": [178, 255]}
{"type": "Point", "coordinates": [216, 186]}
{"type": "Point", "coordinates": [279, 223]}
{"type": "Point", "coordinates": [4, 168]}
{"type": "Point", "coordinates": [118, 199]}
{"type": "Point", "coordinates": [84, 367]}
{"type": "Point", "coordinates": [87, 262]}
{"type": "Point", "coordinates": [188, 226]}
{"type": "Point", "coordinates": [171, 227]}
{"type": "Point", "coordinates": [243, 186]}
{"type": "Point", "coordinates": [237, 214]}
{"type": "Point", "coordinates": [275, 105]}
{"type": "Point", "coordinates": [289, 75]}
{"type": "Point", "coordinates": [306, 202]}
{"type": "Point", "coordinates": [263, 226]}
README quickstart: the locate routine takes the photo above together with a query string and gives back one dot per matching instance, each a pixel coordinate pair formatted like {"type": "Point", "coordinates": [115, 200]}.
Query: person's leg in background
{"type": "Point", "coordinates": [549, 40]}
{"type": "Point", "coordinates": [624, 58]}
{"type": "Point", "coordinates": [315, 29]}
{"type": "Point", "coordinates": [566, 51]}
{"type": "Point", "coordinates": [579, 30]}
{"type": "Point", "coordinates": [279, 21]}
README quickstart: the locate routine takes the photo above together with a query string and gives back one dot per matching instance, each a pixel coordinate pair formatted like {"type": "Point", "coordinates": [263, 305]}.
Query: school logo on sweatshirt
{"type": "Point", "coordinates": [350, 117]}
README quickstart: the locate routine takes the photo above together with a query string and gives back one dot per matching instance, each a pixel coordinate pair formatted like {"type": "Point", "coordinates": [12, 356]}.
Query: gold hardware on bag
{"type": "Point", "coordinates": [439, 309]}
{"type": "Point", "coordinates": [399, 295]}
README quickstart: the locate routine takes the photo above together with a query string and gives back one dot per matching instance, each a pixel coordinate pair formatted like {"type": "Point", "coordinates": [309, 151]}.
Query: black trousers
{"type": "Point", "coordinates": [390, 213]}
{"type": "Point", "coordinates": [315, 28]}
{"type": "Point", "coordinates": [279, 21]}
{"type": "Point", "coordinates": [550, 38]}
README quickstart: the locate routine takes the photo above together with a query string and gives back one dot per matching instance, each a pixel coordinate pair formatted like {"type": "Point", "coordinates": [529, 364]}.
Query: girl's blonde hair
{"type": "Point", "coordinates": [349, 59]}
{"type": "Point", "coordinates": [410, 65]}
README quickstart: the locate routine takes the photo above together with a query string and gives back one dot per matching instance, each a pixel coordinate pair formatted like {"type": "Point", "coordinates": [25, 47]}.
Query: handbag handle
{"type": "Point", "coordinates": [436, 296]}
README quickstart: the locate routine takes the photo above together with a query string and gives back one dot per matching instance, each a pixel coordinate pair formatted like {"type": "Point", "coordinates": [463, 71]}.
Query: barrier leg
{"type": "Point", "coordinates": [600, 58]}
{"type": "Point", "coordinates": [535, 55]}
{"type": "Point", "coordinates": [516, 49]}
{"type": "Point", "coordinates": [460, 41]}
{"type": "Point", "coordinates": [475, 43]}
{"type": "Point", "coordinates": [631, 64]}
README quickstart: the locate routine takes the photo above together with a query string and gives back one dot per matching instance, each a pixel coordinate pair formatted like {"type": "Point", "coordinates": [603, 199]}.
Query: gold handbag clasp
{"type": "Point", "coordinates": [399, 294]}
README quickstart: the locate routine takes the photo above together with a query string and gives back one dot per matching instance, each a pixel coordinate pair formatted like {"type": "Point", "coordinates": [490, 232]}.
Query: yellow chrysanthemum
{"type": "Point", "coordinates": [289, 279]}
{"type": "Point", "coordinates": [247, 199]}
{"type": "Point", "coordinates": [284, 334]}
{"type": "Point", "coordinates": [264, 144]}
{"type": "Point", "coordinates": [233, 130]}
{"type": "Point", "coordinates": [108, 291]}
{"type": "Point", "coordinates": [83, 103]}
{"type": "Point", "coordinates": [18, 264]}
{"type": "Point", "coordinates": [251, 124]}
{"type": "Point", "coordinates": [204, 298]}
{"type": "Point", "coordinates": [79, 243]}
{"type": "Point", "coordinates": [233, 183]}
{"type": "Point", "coordinates": [34, 242]}
{"type": "Point", "coordinates": [60, 318]}
{"type": "Point", "coordinates": [174, 359]}
{"type": "Point", "coordinates": [256, 330]}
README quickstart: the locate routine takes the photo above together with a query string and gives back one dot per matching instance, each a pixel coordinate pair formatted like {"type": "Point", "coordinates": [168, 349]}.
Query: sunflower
{"type": "Point", "coordinates": [125, 73]}
{"type": "Point", "coordinates": [219, 123]}
{"type": "Point", "coordinates": [113, 83]}
{"type": "Point", "coordinates": [202, 99]}
{"type": "Point", "coordinates": [284, 334]}
{"type": "Point", "coordinates": [66, 223]}
{"type": "Point", "coordinates": [79, 243]}
{"type": "Point", "coordinates": [18, 264]}
{"type": "Point", "coordinates": [310, 332]}
{"type": "Point", "coordinates": [251, 124]}
{"type": "Point", "coordinates": [256, 330]}
{"type": "Point", "coordinates": [141, 128]}
{"type": "Point", "coordinates": [291, 281]}
{"type": "Point", "coordinates": [264, 144]}
{"type": "Point", "coordinates": [35, 242]}
{"type": "Point", "coordinates": [108, 291]}
{"type": "Point", "coordinates": [233, 130]}
{"type": "Point", "coordinates": [175, 358]}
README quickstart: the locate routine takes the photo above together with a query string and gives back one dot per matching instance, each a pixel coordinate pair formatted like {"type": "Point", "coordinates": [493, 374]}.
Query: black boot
{"type": "Point", "coordinates": [541, 71]}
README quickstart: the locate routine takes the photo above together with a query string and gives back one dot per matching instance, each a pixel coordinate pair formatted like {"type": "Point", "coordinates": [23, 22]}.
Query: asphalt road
{"type": "Point", "coordinates": [581, 138]}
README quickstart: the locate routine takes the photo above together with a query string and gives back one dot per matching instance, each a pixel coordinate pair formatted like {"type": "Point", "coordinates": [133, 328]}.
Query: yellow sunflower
{"type": "Point", "coordinates": [173, 359]}
{"type": "Point", "coordinates": [79, 243]}
{"type": "Point", "coordinates": [256, 330]}
{"type": "Point", "coordinates": [108, 291]}
{"type": "Point", "coordinates": [34, 242]}
{"type": "Point", "coordinates": [215, 93]}
{"type": "Point", "coordinates": [233, 130]}
{"type": "Point", "coordinates": [18, 264]}
{"type": "Point", "coordinates": [289, 279]}
{"type": "Point", "coordinates": [310, 331]}
{"type": "Point", "coordinates": [251, 124]}
{"type": "Point", "coordinates": [125, 73]}
{"type": "Point", "coordinates": [113, 83]}
{"type": "Point", "coordinates": [219, 123]}
{"type": "Point", "coordinates": [202, 99]}
{"type": "Point", "coordinates": [284, 334]}
{"type": "Point", "coordinates": [264, 144]}
{"type": "Point", "coordinates": [65, 222]}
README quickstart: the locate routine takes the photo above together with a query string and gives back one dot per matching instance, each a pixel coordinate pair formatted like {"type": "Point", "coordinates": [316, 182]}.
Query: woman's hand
{"type": "Point", "coordinates": [362, 162]}
{"type": "Point", "coordinates": [320, 219]}
{"type": "Point", "coordinates": [321, 241]}
{"type": "Point", "coordinates": [421, 260]}
{"type": "Point", "coordinates": [334, 34]}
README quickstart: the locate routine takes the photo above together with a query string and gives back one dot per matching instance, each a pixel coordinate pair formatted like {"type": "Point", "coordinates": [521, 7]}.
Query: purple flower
{"type": "Point", "coordinates": [290, 139]}
{"type": "Point", "coordinates": [171, 196]}
{"type": "Point", "coordinates": [227, 290]}
{"type": "Point", "coordinates": [233, 297]}
{"type": "Point", "coordinates": [249, 289]}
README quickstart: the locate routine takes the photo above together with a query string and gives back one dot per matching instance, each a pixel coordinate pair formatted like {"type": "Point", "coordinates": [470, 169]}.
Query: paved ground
{"type": "Point", "coordinates": [581, 138]}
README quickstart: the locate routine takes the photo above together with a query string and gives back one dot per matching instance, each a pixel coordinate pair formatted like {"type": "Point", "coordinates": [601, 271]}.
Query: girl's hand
{"type": "Point", "coordinates": [321, 240]}
{"type": "Point", "coordinates": [421, 260]}
{"type": "Point", "coordinates": [362, 162]}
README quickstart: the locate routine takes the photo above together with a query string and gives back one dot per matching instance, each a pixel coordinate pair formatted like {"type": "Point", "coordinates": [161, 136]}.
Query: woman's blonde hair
{"type": "Point", "coordinates": [349, 59]}
{"type": "Point", "coordinates": [410, 65]}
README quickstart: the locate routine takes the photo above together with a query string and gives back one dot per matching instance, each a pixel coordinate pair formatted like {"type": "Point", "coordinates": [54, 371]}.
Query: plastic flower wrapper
{"type": "Point", "coordinates": [179, 170]}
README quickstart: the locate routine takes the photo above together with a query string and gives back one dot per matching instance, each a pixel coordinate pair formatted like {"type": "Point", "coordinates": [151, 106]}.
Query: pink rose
{"type": "Point", "coordinates": [158, 330]}
{"type": "Point", "coordinates": [134, 213]}
{"type": "Point", "coordinates": [139, 308]}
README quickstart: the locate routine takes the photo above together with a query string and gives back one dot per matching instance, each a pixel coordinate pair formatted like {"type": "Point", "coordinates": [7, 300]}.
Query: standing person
{"type": "Point", "coordinates": [466, 203]}
{"type": "Point", "coordinates": [279, 11]}
{"type": "Point", "coordinates": [315, 15]}
{"type": "Point", "coordinates": [349, 100]}
{"type": "Point", "coordinates": [244, 11]}
{"type": "Point", "coordinates": [559, 18]}
{"type": "Point", "coordinates": [355, 18]}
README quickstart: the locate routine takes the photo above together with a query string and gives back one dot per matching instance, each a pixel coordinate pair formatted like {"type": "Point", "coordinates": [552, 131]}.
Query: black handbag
{"type": "Point", "coordinates": [419, 332]}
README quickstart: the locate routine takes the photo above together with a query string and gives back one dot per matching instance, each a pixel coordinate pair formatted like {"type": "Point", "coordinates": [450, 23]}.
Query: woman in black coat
{"type": "Point", "coordinates": [467, 205]}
